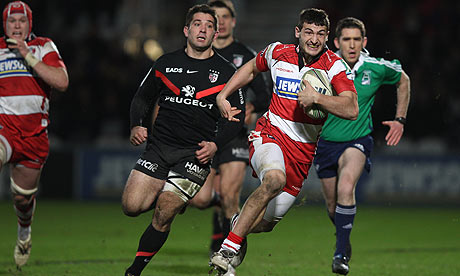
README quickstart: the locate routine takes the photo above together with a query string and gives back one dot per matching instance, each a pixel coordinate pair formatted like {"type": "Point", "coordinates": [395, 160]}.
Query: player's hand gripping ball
{"type": "Point", "coordinates": [318, 79]}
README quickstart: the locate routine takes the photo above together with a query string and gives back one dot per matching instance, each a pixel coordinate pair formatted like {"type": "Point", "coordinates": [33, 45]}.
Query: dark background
{"type": "Point", "coordinates": [92, 37]}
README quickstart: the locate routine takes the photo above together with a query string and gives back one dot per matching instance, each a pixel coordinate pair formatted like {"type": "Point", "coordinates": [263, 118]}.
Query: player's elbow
{"type": "Point", "coordinates": [61, 80]}
{"type": "Point", "coordinates": [353, 108]}
{"type": "Point", "coordinates": [353, 113]}
{"type": "Point", "coordinates": [62, 85]}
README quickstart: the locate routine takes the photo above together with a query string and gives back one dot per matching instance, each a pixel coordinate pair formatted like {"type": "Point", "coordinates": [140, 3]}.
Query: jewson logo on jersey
{"type": "Point", "coordinates": [287, 88]}
{"type": "Point", "coordinates": [13, 67]}
{"type": "Point", "coordinates": [147, 164]}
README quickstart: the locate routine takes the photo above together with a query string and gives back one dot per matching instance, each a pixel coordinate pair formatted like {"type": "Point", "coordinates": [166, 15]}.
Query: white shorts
{"type": "Point", "coordinates": [267, 157]}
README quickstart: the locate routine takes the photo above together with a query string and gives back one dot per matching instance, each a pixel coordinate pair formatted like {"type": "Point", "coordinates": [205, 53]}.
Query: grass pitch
{"type": "Point", "coordinates": [81, 238]}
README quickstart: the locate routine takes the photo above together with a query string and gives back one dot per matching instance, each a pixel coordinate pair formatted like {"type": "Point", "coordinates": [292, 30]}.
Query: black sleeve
{"type": "Point", "coordinates": [261, 93]}
{"type": "Point", "coordinates": [227, 130]}
{"type": "Point", "coordinates": [143, 101]}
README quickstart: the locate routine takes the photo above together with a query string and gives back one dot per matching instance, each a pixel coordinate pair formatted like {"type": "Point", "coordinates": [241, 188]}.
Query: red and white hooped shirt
{"type": "Point", "coordinates": [24, 97]}
{"type": "Point", "coordinates": [287, 68]}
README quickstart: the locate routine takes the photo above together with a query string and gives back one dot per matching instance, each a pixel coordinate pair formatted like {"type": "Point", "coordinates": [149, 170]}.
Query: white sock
{"type": "Point", "coordinates": [229, 245]}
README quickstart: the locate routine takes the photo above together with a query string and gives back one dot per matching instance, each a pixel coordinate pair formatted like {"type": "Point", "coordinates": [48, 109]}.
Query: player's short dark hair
{"type": "Point", "coordinates": [350, 23]}
{"type": "Point", "coordinates": [222, 4]}
{"type": "Point", "coordinates": [200, 8]}
{"type": "Point", "coordinates": [313, 16]}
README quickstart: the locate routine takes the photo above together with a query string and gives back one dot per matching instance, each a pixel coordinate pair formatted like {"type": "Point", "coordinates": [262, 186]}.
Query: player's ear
{"type": "Point", "coordinates": [336, 43]}
{"type": "Point", "coordinates": [297, 32]}
{"type": "Point", "coordinates": [364, 42]}
{"type": "Point", "coordinates": [233, 22]}
{"type": "Point", "coordinates": [186, 31]}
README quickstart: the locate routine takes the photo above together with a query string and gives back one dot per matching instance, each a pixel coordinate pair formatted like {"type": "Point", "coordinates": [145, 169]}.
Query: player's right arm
{"type": "Point", "coordinates": [344, 105]}
{"type": "Point", "coordinates": [141, 108]}
{"type": "Point", "coordinates": [51, 69]}
{"type": "Point", "coordinates": [241, 78]}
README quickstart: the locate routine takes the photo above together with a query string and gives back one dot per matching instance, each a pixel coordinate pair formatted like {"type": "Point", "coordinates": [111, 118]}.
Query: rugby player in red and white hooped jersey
{"type": "Point", "coordinates": [30, 67]}
{"type": "Point", "coordinates": [283, 144]}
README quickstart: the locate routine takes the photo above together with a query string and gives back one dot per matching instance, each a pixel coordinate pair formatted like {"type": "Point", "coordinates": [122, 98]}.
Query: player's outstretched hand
{"type": "Point", "coordinates": [207, 151]}
{"type": "Point", "coordinates": [395, 133]}
{"type": "Point", "coordinates": [138, 135]}
{"type": "Point", "coordinates": [226, 110]}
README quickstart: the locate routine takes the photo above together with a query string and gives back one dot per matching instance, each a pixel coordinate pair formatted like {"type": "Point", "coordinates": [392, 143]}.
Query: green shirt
{"type": "Point", "coordinates": [369, 74]}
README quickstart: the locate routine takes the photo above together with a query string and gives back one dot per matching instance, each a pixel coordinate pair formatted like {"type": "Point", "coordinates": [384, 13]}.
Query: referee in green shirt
{"type": "Point", "coordinates": [345, 146]}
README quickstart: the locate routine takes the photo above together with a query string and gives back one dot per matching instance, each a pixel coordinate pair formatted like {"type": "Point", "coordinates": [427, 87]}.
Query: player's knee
{"type": "Point", "coordinates": [274, 181]}
{"type": "Point", "coordinates": [131, 210]}
{"type": "Point", "coordinates": [21, 197]}
{"type": "Point", "coordinates": [346, 191]}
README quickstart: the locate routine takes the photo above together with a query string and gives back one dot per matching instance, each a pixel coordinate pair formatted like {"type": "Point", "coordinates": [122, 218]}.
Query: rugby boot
{"type": "Point", "coordinates": [22, 251]}
{"type": "Point", "coordinates": [221, 260]}
{"type": "Point", "coordinates": [340, 264]}
{"type": "Point", "coordinates": [231, 271]}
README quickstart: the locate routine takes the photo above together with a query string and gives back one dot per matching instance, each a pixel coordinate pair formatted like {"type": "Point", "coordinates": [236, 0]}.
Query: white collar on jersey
{"type": "Point", "coordinates": [364, 53]}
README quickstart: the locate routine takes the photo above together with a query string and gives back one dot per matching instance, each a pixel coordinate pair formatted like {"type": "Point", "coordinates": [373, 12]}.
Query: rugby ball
{"type": "Point", "coordinates": [318, 79]}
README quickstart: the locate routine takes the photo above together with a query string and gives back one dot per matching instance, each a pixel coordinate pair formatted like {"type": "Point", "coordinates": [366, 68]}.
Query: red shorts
{"type": "Point", "coordinates": [31, 152]}
{"type": "Point", "coordinates": [297, 156]}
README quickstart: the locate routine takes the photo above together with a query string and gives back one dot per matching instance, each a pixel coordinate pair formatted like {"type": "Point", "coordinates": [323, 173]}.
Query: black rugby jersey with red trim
{"type": "Point", "coordinates": [186, 89]}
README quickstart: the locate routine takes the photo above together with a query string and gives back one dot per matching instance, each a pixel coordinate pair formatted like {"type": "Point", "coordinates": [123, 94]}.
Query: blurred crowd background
{"type": "Point", "coordinates": [108, 47]}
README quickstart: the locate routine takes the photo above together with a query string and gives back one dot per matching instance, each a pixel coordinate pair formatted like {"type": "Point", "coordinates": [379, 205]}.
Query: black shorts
{"type": "Point", "coordinates": [235, 150]}
{"type": "Point", "coordinates": [158, 159]}
{"type": "Point", "coordinates": [328, 154]}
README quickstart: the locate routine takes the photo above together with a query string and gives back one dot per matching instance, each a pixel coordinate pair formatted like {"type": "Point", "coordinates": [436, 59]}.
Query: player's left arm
{"type": "Point", "coordinates": [240, 78]}
{"type": "Point", "coordinates": [403, 97]}
{"type": "Point", "coordinates": [54, 76]}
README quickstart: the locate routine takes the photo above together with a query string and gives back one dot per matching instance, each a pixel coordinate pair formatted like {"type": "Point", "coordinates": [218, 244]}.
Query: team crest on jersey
{"type": "Point", "coordinates": [366, 80]}
{"type": "Point", "coordinates": [188, 90]}
{"type": "Point", "coordinates": [213, 75]}
{"type": "Point", "coordinates": [238, 60]}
